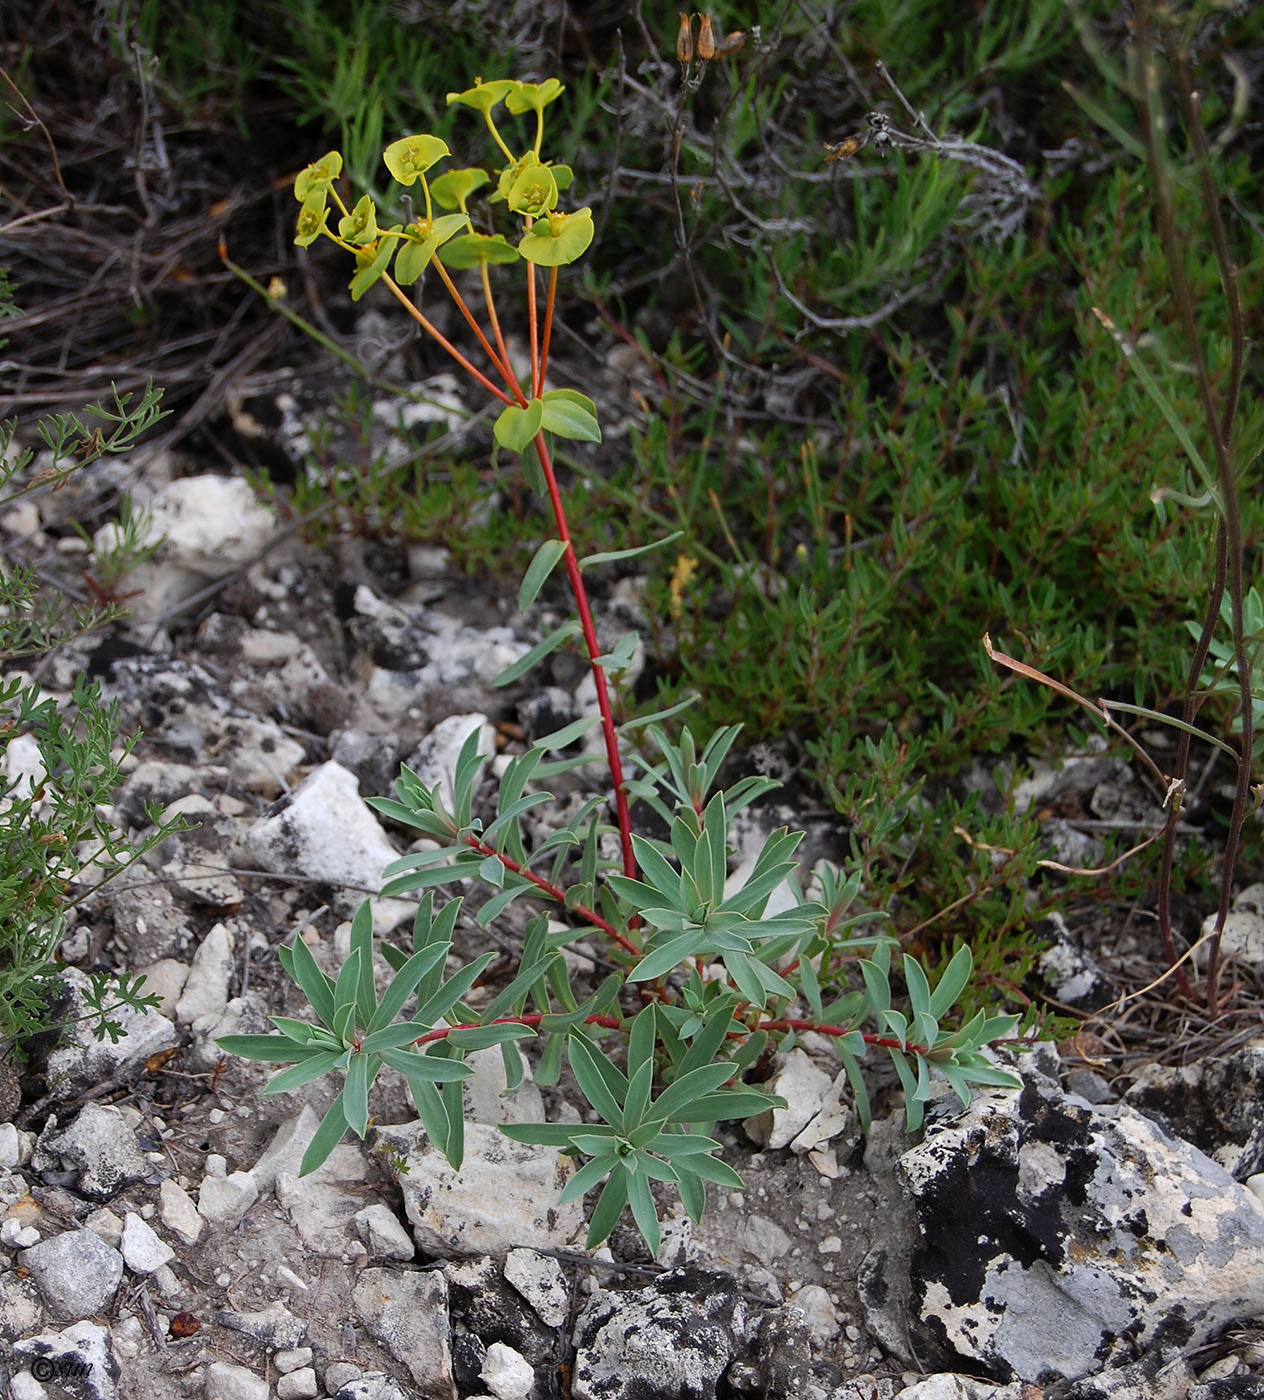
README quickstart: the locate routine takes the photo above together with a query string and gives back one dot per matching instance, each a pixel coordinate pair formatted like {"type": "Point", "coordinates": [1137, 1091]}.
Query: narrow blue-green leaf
{"type": "Point", "coordinates": [611, 556]}
{"type": "Point", "coordinates": [693, 1195]}
{"type": "Point", "coordinates": [538, 652]}
{"type": "Point", "coordinates": [347, 987]}
{"type": "Point", "coordinates": [454, 1105]}
{"type": "Point", "coordinates": [639, 1084]}
{"type": "Point", "coordinates": [543, 563]}
{"type": "Point", "coordinates": [540, 1134]}
{"type": "Point", "coordinates": [917, 984]}
{"type": "Point", "coordinates": [447, 996]}
{"type": "Point", "coordinates": [643, 1212]}
{"type": "Point", "coordinates": [589, 1175]}
{"type": "Point", "coordinates": [676, 1097]}
{"type": "Point", "coordinates": [549, 1069]}
{"type": "Point", "coordinates": [362, 940]}
{"type": "Point", "coordinates": [317, 987]}
{"type": "Point", "coordinates": [569, 734]}
{"type": "Point", "coordinates": [666, 956]}
{"type": "Point", "coordinates": [592, 1073]}
{"type": "Point", "coordinates": [712, 867]}
{"type": "Point", "coordinates": [497, 905]}
{"type": "Point", "coordinates": [656, 716]}
{"type": "Point", "coordinates": [709, 1169]}
{"type": "Point", "coordinates": [472, 1038]}
{"type": "Point", "coordinates": [303, 1032]}
{"type": "Point", "coordinates": [303, 1072]}
{"type": "Point", "coordinates": [405, 983]}
{"type": "Point", "coordinates": [952, 982]}
{"type": "Point", "coordinates": [609, 1208]}
{"type": "Point", "coordinates": [657, 869]}
{"type": "Point", "coordinates": [355, 1095]}
{"type": "Point", "coordinates": [277, 1048]}
{"type": "Point", "coordinates": [430, 1068]}
{"type": "Point", "coordinates": [332, 1126]}
{"type": "Point", "coordinates": [728, 1103]}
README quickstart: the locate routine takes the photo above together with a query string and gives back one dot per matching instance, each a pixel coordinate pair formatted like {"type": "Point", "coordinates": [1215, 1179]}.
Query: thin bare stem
{"type": "Point", "coordinates": [589, 630]}
{"type": "Point", "coordinates": [548, 328]}
{"type": "Point", "coordinates": [501, 360]}
{"type": "Point", "coordinates": [533, 328]}
{"type": "Point", "coordinates": [490, 301]}
{"type": "Point", "coordinates": [440, 339]}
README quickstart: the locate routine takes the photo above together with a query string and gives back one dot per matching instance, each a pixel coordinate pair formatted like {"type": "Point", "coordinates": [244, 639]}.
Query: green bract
{"type": "Point", "coordinates": [454, 187]}
{"type": "Point", "coordinates": [483, 96]}
{"type": "Point", "coordinates": [411, 156]}
{"type": "Point", "coordinates": [558, 238]}
{"type": "Point", "coordinates": [424, 238]}
{"type": "Point", "coordinates": [320, 175]}
{"type": "Point", "coordinates": [360, 226]}
{"type": "Point", "coordinates": [533, 97]}
{"type": "Point", "coordinates": [534, 190]}
{"type": "Point", "coordinates": [313, 218]}
{"type": "Point", "coordinates": [471, 249]}
{"type": "Point", "coordinates": [371, 262]}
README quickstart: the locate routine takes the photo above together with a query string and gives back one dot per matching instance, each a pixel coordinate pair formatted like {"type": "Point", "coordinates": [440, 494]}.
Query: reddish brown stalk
{"type": "Point", "coordinates": [609, 733]}
{"type": "Point", "coordinates": [440, 339]}
{"type": "Point", "coordinates": [554, 892]}
{"type": "Point", "coordinates": [495, 324]}
{"type": "Point", "coordinates": [501, 360]}
{"type": "Point", "coordinates": [533, 326]}
{"type": "Point", "coordinates": [548, 332]}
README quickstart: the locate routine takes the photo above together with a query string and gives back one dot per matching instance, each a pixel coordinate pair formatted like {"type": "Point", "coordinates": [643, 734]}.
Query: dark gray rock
{"type": "Point", "coordinates": [671, 1341]}
{"type": "Point", "coordinates": [1216, 1103]}
{"type": "Point", "coordinates": [1058, 1240]}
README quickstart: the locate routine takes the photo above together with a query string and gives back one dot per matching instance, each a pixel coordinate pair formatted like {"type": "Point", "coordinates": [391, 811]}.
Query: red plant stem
{"type": "Point", "coordinates": [613, 1023]}
{"type": "Point", "coordinates": [500, 361]}
{"type": "Point", "coordinates": [622, 810]}
{"type": "Point", "coordinates": [440, 339]}
{"type": "Point", "coordinates": [495, 324]}
{"type": "Point", "coordinates": [867, 1036]}
{"type": "Point", "coordinates": [533, 326]}
{"type": "Point", "coordinates": [546, 887]}
{"type": "Point", "coordinates": [548, 332]}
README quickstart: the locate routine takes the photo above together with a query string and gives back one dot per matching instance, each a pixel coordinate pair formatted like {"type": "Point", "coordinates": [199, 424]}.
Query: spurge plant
{"type": "Point", "coordinates": [709, 974]}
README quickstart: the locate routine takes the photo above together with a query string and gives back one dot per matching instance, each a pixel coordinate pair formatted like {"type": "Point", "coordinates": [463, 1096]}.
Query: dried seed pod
{"type": "Point", "coordinates": [732, 42]}
{"type": "Point", "coordinates": [684, 39]}
{"type": "Point", "coordinates": [706, 40]}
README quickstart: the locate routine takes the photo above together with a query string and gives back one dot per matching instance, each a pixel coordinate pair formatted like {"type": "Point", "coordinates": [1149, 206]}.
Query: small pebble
{"type": "Point", "coordinates": [298, 1385]}
{"type": "Point", "coordinates": [292, 1359]}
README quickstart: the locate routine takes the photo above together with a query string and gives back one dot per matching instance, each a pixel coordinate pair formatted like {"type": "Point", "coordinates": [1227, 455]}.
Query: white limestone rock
{"type": "Point", "coordinates": [323, 828]}
{"type": "Point", "coordinates": [505, 1194]}
{"type": "Point", "coordinates": [178, 1213]}
{"type": "Point", "coordinates": [507, 1374]}
{"type": "Point", "coordinates": [143, 1251]}
{"type": "Point", "coordinates": [206, 987]}
{"type": "Point", "coordinates": [540, 1280]}
{"type": "Point", "coordinates": [804, 1087]}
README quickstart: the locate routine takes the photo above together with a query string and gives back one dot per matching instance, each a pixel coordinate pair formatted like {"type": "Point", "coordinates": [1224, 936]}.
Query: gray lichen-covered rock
{"type": "Point", "coordinates": [83, 1062]}
{"type": "Point", "coordinates": [1058, 1239]}
{"type": "Point", "coordinates": [408, 1313]}
{"type": "Point", "coordinates": [671, 1341]}
{"type": "Point", "coordinates": [1216, 1103]}
{"type": "Point", "coordinates": [100, 1146]}
{"type": "Point", "coordinates": [75, 1273]}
